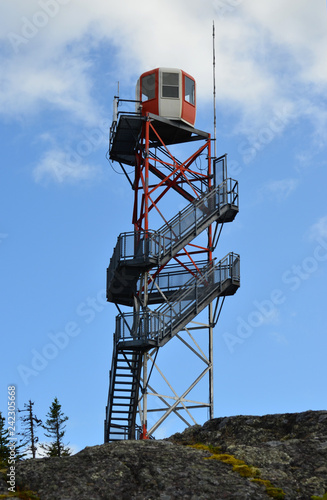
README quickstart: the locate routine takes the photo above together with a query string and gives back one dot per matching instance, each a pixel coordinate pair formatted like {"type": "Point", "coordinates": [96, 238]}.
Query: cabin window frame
{"type": "Point", "coordinates": [187, 81]}
{"type": "Point", "coordinates": [169, 86]}
{"type": "Point", "coordinates": [154, 75]}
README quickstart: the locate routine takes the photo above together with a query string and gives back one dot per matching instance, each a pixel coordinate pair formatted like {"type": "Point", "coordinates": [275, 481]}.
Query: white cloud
{"type": "Point", "coordinates": [279, 338]}
{"type": "Point", "coordinates": [34, 85]}
{"type": "Point", "coordinates": [279, 189]}
{"type": "Point", "coordinates": [298, 27]}
{"type": "Point", "coordinates": [270, 56]}
{"type": "Point", "coordinates": [319, 229]}
{"type": "Point", "coordinates": [56, 165]}
{"type": "Point", "coordinates": [173, 34]}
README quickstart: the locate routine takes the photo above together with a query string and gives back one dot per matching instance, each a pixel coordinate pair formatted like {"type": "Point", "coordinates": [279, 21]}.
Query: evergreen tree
{"type": "Point", "coordinates": [30, 422]}
{"type": "Point", "coordinates": [55, 428]}
{"type": "Point", "coordinates": [4, 443]}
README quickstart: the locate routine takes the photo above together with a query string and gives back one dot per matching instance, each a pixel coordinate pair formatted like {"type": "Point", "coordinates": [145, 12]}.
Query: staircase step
{"type": "Point", "coordinates": [122, 399]}
{"type": "Point", "coordinates": [125, 368]}
{"type": "Point", "coordinates": [123, 390]}
{"type": "Point", "coordinates": [166, 321]}
{"type": "Point", "coordinates": [155, 328]}
{"type": "Point", "coordinates": [157, 248]}
{"type": "Point", "coordinates": [120, 412]}
{"type": "Point", "coordinates": [121, 405]}
{"type": "Point", "coordinates": [116, 419]}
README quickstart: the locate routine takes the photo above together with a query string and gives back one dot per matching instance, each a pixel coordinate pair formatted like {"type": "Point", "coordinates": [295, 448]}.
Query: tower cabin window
{"type": "Point", "coordinates": [189, 90]}
{"type": "Point", "coordinates": [148, 87]}
{"type": "Point", "coordinates": [170, 85]}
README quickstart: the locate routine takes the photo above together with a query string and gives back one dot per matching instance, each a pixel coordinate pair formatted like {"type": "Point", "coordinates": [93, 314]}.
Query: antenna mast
{"type": "Point", "coordinates": [214, 88]}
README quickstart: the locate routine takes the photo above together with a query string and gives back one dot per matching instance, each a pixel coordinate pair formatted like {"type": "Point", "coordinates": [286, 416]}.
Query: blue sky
{"type": "Point", "coordinates": [63, 206]}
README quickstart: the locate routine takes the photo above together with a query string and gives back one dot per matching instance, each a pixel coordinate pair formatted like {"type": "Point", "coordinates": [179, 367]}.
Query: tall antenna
{"type": "Point", "coordinates": [214, 87]}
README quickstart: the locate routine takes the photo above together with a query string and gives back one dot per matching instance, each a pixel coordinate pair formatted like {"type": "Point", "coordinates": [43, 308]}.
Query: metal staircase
{"type": "Point", "coordinates": [138, 333]}
{"type": "Point", "coordinates": [160, 268]}
{"type": "Point", "coordinates": [136, 253]}
{"type": "Point", "coordinates": [151, 329]}
{"type": "Point", "coordinates": [123, 393]}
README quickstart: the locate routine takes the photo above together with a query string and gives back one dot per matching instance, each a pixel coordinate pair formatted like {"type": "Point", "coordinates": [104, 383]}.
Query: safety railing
{"type": "Point", "coordinates": [153, 247]}
{"type": "Point", "coordinates": [190, 299]}
{"type": "Point", "coordinates": [116, 114]}
{"type": "Point", "coordinates": [175, 276]}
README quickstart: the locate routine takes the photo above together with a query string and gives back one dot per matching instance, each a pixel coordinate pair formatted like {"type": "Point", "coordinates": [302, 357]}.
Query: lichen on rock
{"type": "Point", "coordinates": [279, 454]}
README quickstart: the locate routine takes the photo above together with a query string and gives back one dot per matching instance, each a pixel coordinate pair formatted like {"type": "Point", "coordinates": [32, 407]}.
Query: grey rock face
{"type": "Point", "coordinates": [290, 450]}
{"type": "Point", "coordinates": [134, 470]}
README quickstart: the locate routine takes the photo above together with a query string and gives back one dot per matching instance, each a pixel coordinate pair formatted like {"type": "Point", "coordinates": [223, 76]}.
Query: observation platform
{"type": "Point", "coordinates": [126, 133]}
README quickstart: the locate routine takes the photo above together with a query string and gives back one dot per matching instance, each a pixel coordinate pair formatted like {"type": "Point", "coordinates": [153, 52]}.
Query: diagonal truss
{"type": "Point", "coordinates": [162, 267]}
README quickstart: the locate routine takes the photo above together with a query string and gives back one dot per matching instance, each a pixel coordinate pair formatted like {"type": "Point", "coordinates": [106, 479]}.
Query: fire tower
{"type": "Point", "coordinates": [164, 277]}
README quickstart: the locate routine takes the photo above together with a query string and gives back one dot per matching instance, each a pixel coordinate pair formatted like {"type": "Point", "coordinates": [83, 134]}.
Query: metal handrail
{"type": "Point", "coordinates": [145, 245]}
{"type": "Point", "coordinates": [117, 114]}
{"type": "Point", "coordinates": [156, 325]}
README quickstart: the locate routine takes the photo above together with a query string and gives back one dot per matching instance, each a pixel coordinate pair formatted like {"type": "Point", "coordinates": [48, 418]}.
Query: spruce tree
{"type": "Point", "coordinates": [30, 423]}
{"type": "Point", "coordinates": [54, 425]}
{"type": "Point", "coordinates": [4, 443]}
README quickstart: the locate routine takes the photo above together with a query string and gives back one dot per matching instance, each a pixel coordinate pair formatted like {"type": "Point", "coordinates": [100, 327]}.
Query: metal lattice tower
{"type": "Point", "coordinates": [165, 277]}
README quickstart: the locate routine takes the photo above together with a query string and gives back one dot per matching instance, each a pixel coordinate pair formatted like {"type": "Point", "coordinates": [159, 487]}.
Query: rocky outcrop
{"type": "Point", "coordinates": [244, 457]}
{"type": "Point", "coordinates": [290, 450]}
